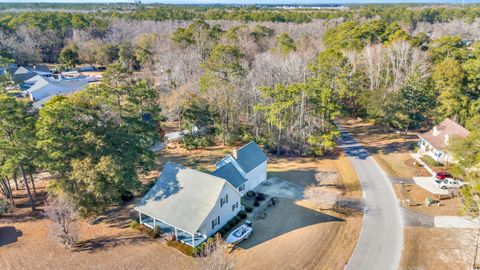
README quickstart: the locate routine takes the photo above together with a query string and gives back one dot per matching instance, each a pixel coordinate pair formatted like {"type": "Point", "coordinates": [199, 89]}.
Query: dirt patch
{"type": "Point", "coordinates": [417, 197]}
{"type": "Point", "coordinates": [432, 248]}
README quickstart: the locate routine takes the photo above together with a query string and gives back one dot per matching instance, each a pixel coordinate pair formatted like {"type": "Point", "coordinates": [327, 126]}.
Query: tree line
{"type": "Point", "coordinates": [94, 143]}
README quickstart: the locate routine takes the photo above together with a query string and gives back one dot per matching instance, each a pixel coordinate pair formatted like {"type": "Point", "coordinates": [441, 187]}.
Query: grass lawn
{"type": "Point", "coordinates": [293, 235]}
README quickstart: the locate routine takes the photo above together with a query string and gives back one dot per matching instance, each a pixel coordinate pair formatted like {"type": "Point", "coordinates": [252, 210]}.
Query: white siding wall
{"type": "Point", "coordinates": [225, 212]}
{"type": "Point", "coordinates": [257, 176]}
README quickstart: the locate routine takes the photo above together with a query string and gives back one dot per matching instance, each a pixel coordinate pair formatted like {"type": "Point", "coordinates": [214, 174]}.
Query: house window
{"type": "Point", "coordinates": [223, 200]}
{"type": "Point", "coordinates": [234, 206]}
{"type": "Point", "coordinates": [215, 222]}
{"type": "Point", "coordinates": [241, 187]}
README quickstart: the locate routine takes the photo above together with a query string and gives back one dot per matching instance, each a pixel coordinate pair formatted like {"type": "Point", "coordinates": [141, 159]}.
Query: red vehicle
{"type": "Point", "coordinates": [439, 177]}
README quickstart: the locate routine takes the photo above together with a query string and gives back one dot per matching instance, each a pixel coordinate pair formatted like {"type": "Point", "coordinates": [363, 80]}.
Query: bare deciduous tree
{"type": "Point", "coordinates": [63, 214]}
{"type": "Point", "coordinates": [215, 254]}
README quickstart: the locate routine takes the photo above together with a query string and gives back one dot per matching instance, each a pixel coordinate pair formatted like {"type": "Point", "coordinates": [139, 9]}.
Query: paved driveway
{"type": "Point", "coordinates": [381, 238]}
{"type": "Point", "coordinates": [277, 187]}
{"type": "Point", "coordinates": [428, 183]}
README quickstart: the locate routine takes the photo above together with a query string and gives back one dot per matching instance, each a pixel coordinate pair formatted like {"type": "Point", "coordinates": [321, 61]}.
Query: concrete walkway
{"type": "Point", "coordinates": [416, 156]}
{"type": "Point", "coordinates": [381, 237]}
{"type": "Point", "coordinates": [457, 222]}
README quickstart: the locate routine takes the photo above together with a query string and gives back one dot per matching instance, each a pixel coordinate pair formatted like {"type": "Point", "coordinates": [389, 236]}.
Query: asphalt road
{"type": "Point", "coordinates": [381, 237]}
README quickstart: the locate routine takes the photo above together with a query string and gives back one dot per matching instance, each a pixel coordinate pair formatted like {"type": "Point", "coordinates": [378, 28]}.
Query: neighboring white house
{"type": "Point", "coordinates": [245, 168]}
{"type": "Point", "coordinates": [24, 73]}
{"type": "Point", "coordinates": [435, 141]}
{"type": "Point", "coordinates": [43, 89]}
{"type": "Point", "coordinates": [188, 203]}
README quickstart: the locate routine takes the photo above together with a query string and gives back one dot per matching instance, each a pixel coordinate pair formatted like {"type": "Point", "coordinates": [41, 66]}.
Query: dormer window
{"type": "Point", "coordinates": [435, 132]}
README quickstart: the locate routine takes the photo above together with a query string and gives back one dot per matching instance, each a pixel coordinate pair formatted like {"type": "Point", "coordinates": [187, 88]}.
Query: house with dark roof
{"type": "Point", "coordinates": [42, 89]}
{"type": "Point", "coordinates": [434, 142]}
{"type": "Point", "coordinates": [245, 168]}
{"type": "Point", "coordinates": [24, 73]}
{"type": "Point", "coordinates": [189, 204]}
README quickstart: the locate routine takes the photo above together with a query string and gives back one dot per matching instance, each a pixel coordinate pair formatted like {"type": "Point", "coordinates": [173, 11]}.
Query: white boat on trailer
{"type": "Point", "coordinates": [240, 233]}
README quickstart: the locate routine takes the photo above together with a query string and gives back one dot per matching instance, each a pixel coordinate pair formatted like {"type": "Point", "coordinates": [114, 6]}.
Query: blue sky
{"type": "Point", "coordinates": [253, 1]}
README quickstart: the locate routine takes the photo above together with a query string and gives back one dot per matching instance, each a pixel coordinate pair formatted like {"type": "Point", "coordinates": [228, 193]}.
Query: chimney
{"type": "Point", "coordinates": [235, 153]}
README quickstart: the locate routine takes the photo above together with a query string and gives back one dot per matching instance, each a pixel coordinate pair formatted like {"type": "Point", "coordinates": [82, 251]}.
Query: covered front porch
{"type": "Point", "coordinates": [425, 148]}
{"type": "Point", "coordinates": [181, 235]}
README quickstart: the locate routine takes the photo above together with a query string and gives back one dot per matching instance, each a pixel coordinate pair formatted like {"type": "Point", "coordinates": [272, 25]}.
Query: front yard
{"type": "Point", "coordinates": [292, 235]}
{"type": "Point", "coordinates": [424, 247]}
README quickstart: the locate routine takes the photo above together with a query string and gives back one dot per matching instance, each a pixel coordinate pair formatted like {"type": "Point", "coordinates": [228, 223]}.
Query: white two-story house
{"type": "Point", "coordinates": [189, 204]}
{"type": "Point", "coordinates": [245, 168]}
{"type": "Point", "coordinates": [434, 142]}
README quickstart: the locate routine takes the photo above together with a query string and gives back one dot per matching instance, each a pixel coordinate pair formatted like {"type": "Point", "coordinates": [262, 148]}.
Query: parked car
{"type": "Point", "coordinates": [442, 175]}
{"type": "Point", "coordinates": [450, 183]}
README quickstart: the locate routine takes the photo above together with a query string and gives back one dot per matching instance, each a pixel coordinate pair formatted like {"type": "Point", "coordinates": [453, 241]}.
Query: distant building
{"type": "Point", "coordinates": [42, 89]}
{"type": "Point", "coordinates": [24, 73]}
{"type": "Point", "coordinates": [435, 141]}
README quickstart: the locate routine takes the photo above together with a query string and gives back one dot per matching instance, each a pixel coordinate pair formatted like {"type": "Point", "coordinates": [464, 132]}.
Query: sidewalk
{"type": "Point", "coordinates": [416, 156]}
{"type": "Point", "coordinates": [456, 222]}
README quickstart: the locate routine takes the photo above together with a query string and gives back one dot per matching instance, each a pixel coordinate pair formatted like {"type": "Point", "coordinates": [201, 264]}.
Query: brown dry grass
{"type": "Point", "coordinates": [417, 196]}
{"type": "Point", "coordinates": [439, 249]}
{"type": "Point", "coordinates": [293, 236]}
{"type": "Point", "coordinates": [390, 149]}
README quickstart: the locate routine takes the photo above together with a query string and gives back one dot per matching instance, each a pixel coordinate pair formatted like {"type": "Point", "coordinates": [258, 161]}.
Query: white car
{"type": "Point", "coordinates": [450, 183]}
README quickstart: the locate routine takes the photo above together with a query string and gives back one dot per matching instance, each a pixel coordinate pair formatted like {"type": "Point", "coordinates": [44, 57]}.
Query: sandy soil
{"type": "Point", "coordinates": [430, 248]}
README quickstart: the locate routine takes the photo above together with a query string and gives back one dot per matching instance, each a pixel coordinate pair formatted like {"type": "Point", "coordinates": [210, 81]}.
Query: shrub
{"type": "Point", "coordinates": [185, 249]}
{"type": "Point", "coordinates": [250, 193]}
{"type": "Point", "coordinates": [249, 209]}
{"type": "Point", "coordinates": [134, 224]}
{"type": "Point", "coordinates": [222, 231]}
{"type": "Point", "coordinates": [430, 161]}
{"type": "Point", "coordinates": [237, 219]}
{"type": "Point", "coordinates": [232, 222]}
{"type": "Point", "coordinates": [256, 204]}
{"type": "Point", "coordinates": [5, 207]}
{"type": "Point", "coordinates": [260, 197]}
{"type": "Point", "coordinates": [126, 195]}
{"type": "Point", "coordinates": [227, 227]}
{"type": "Point", "coordinates": [157, 231]}
{"type": "Point", "coordinates": [242, 214]}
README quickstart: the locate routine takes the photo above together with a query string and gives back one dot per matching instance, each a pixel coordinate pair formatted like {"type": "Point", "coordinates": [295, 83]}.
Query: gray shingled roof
{"type": "Point", "coordinates": [250, 156]}
{"type": "Point", "coordinates": [182, 197]}
{"type": "Point", "coordinates": [230, 173]}
{"type": "Point", "coordinates": [446, 127]}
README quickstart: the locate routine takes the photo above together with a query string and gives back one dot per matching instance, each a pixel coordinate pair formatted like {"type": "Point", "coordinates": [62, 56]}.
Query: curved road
{"type": "Point", "coordinates": [381, 237]}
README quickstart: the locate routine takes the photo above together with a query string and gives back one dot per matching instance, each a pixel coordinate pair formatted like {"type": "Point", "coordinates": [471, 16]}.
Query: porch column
{"type": "Point", "coordinates": [193, 240]}
{"type": "Point", "coordinates": [140, 217]}
{"type": "Point", "coordinates": [154, 223]}
{"type": "Point", "coordinates": [176, 233]}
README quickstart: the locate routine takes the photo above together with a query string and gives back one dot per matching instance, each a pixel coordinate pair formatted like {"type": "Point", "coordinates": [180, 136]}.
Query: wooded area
{"type": "Point", "coordinates": [279, 77]}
